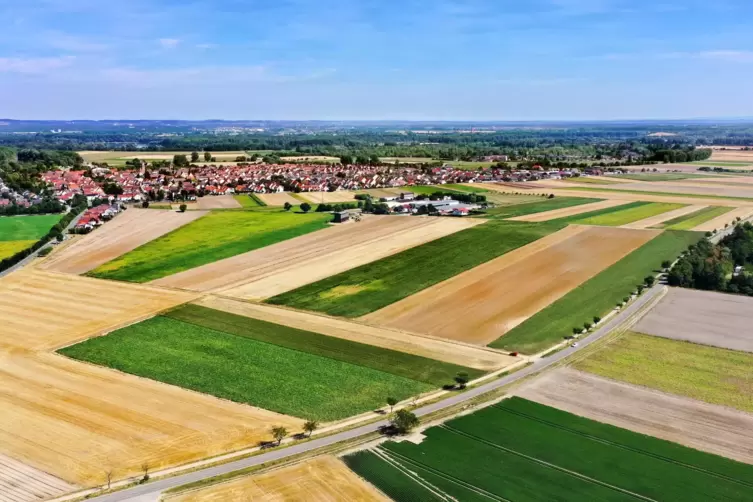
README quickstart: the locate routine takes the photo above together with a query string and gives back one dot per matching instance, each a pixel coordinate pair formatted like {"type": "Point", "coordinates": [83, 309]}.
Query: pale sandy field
{"type": "Point", "coordinates": [22, 483]}
{"type": "Point", "coordinates": [293, 263]}
{"type": "Point", "coordinates": [97, 156]}
{"type": "Point", "coordinates": [732, 154]}
{"type": "Point", "coordinates": [707, 427]}
{"type": "Point", "coordinates": [75, 420]}
{"type": "Point", "coordinates": [661, 218]}
{"type": "Point", "coordinates": [218, 202]}
{"type": "Point", "coordinates": [124, 233]}
{"type": "Point", "coordinates": [570, 211]}
{"type": "Point", "coordinates": [729, 217]}
{"type": "Point", "coordinates": [329, 197]}
{"type": "Point", "coordinates": [322, 479]}
{"type": "Point", "coordinates": [278, 199]}
{"type": "Point", "coordinates": [482, 304]}
{"type": "Point", "coordinates": [410, 343]}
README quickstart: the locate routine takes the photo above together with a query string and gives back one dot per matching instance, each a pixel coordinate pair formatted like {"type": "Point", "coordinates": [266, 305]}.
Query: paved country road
{"type": "Point", "coordinates": [151, 491]}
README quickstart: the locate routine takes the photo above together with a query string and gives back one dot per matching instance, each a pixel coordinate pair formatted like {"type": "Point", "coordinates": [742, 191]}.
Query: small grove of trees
{"type": "Point", "coordinates": [462, 379]}
{"type": "Point", "coordinates": [180, 160]}
{"type": "Point", "coordinates": [288, 206]}
{"type": "Point", "coordinates": [323, 208]}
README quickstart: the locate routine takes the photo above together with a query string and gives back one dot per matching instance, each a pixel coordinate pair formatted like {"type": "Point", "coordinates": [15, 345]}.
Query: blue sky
{"type": "Point", "coordinates": [376, 59]}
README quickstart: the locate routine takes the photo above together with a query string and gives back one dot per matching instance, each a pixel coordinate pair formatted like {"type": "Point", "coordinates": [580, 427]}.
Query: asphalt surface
{"type": "Point", "coordinates": [151, 491]}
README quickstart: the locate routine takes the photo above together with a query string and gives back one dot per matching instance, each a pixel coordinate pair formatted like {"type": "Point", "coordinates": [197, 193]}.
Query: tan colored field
{"type": "Point", "coordinates": [126, 232]}
{"type": "Point", "coordinates": [433, 348]}
{"type": "Point", "coordinates": [707, 427]}
{"type": "Point", "coordinates": [21, 483]}
{"type": "Point", "coordinates": [218, 202]}
{"type": "Point", "coordinates": [482, 304]}
{"type": "Point", "coordinates": [278, 199]}
{"type": "Point", "coordinates": [385, 192]}
{"type": "Point", "coordinates": [661, 218]}
{"type": "Point", "coordinates": [74, 420]}
{"type": "Point", "coordinates": [312, 158]}
{"type": "Point", "coordinates": [569, 211]}
{"type": "Point", "coordinates": [329, 197]}
{"type": "Point", "coordinates": [323, 479]}
{"type": "Point", "coordinates": [287, 265]}
{"type": "Point", "coordinates": [732, 154]}
{"type": "Point", "coordinates": [719, 222]}
{"type": "Point", "coordinates": [96, 156]}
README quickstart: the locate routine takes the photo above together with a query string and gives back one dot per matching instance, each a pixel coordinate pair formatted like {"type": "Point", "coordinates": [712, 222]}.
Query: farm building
{"type": "Point", "coordinates": [341, 217]}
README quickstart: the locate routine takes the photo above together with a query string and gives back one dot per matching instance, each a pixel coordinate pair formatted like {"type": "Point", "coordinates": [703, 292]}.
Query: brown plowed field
{"type": "Point", "coordinates": [719, 222]}
{"type": "Point", "coordinates": [217, 202]}
{"type": "Point", "coordinates": [323, 479]}
{"type": "Point", "coordinates": [124, 233]}
{"type": "Point", "coordinates": [661, 218]}
{"type": "Point", "coordinates": [22, 483]}
{"type": "Point", "coordinates": [570, 211]}
{"type": "Point", "coordinates": [278, 199]}
{"type": "Point", "coordinates": [432, 348]}
{"type": "Point", "coordinates": [293, 263]}
{"type": "Point", "coordinates": [707, 427]}
{"type": "Point", "coordinates": [329, 197]}
{"type": "Point", "coordinates": [75, 420]}
{"type": "Point", "coordinates": [482, 304]}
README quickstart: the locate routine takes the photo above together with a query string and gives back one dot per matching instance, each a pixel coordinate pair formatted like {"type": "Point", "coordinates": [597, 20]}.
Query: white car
{"type": "Point", "coordinates": [574, 345]}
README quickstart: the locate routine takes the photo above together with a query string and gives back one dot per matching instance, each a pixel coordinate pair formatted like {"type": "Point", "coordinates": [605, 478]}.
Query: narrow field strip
{"type": "Point", "coordinates": [729, 217]}
{"type": "Point", "coordinates": [695, 219]}
{"type": "Point", "coordinates": [629, 215]}
{"type": "Point", "coordinates": [509, 212]}
{"type": "Point", "coordinates": [9, 248]}
{"type": "Point", "coordinates": [658, 219]}
{"type": "Point", "coordinates": [570, 211]}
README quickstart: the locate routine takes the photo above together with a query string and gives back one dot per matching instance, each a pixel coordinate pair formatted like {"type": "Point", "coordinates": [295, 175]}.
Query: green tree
{"type": "Point", "coordinates": [288, 206]}
{"type": "Point", "coordinates": [180, 160]}
{"type": "Point", "coordinates": [183, 208]}
{"type": "Point", "coordinates": [666, 264]}
{"type": "Point", "coordinates": [649, 280]}
{"type": "Point", "coordinates": [310, 426]}
{"type": "Point", "coordinates": [194, 156]}
{"type": "Point", "coordinates": [461, 379]}
{"type": "Point", "coordinates": [305, 207]}
{"type": "Point", "coordinates": [404, 421]}
{"type": "Point", "coordinates": [391, 402]}
{"type": "Point", "coordinates": [346, 160]}
{"type": "Point", "coordinates": [207, 156]}
{"type": "Point", "coordinates": [597, 319]}
{"type": "Point", "coordinates": [279, 433]}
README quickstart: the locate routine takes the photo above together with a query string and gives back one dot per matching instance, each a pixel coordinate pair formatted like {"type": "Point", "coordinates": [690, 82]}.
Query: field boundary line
{"type": "Point", "coordinates": [548, 464]}
{"type": "Point", "coordinates": [413, 476]}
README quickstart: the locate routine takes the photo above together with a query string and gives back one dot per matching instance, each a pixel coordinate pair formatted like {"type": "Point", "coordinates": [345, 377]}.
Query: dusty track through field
{"type": "Point", "coordinates": [125, 233]}
{"type": "Point", "coordinates": [75, 420]}
{"type": "Point", "coordinates": [433, 348]}
{"type": "Point", "coordinates": [290, 264]}
{"type": "Point", "coordinates": [322, 479]}
{"type": "Point", "coordinates": [661, 218]}
{"type": "Point", "coordinates": [482, 304]}
{"type": "Point", "coordinates": [570, 211]}
{"type": "Point", "coordinates": [719, 222]}
{"type": "Point", "coordinates": [278, 199]}
{"type": "Point", "coordinates": [706, 427]}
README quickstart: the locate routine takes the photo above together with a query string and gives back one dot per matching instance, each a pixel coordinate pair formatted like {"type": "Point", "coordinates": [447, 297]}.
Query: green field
{"type": "Point", "coordinates": [248, 201]}
{"type": "Point", "coordinates": [218, 235]}
{"type": "Point", "coordinates": [658, 176]}
{"type": "Point", "coordinates": [696, 218]}
{"type": "Point", "coordinates": [595, 297]}
{"type": "Point", "coordinates": [533, 452]}
{"type": "Point", "coordinates": [26, 228]}
{"type": "Point", "coordinates": [9, 248]}
{"type": "Point", "coordinates": [721, 163]}
{"type": "Point", "coordinates": [431, 189]}
{"type": "Point", "coordinates": [370, 287]}
{"type": "Point", "coordinates": [601, 213]}
{"type": "Point", "coordinates": [242, 368]}
{"type": "Point", "coordinates": [627, 214]}
{"type": "Point", "coordinates": [536, 207]}
{"type": "Point", "coordinates": [717, 376]}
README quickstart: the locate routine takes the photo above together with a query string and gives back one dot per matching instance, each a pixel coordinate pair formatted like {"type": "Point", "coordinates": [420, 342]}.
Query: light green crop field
{"type": "Point", "coordinates": [692, 220]}
{"type": "Point", "coordinates": [243, 369]}
{"type": "Point", "coordinates": [26, 228]}
{"type": "Point", "coordinates": [216, 236]}
{"type": "Point", "coordinates": [248, 201]}
{"type": "Point", "coordinates": [629, 215]}
{"type": "Point", "coordinates": [9, 248]}
{"type": "Point", "coordinates": [539, 205]}
{"type": "Point", "coordinates": [595, 297]}
{"type": "Point", "coordinates": [710, 374]}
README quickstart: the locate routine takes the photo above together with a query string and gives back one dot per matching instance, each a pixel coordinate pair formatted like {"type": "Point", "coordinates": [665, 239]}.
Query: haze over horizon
{"type": "Point", "coordinates": [473, 60]}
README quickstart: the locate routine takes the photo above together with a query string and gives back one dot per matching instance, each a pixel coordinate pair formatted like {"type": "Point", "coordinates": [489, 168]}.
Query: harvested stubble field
{"type": "Point", "coordinates": [595, 297]}
{"type": "Point", "coordinates": [428, 347]}
{"type": "Point", "coordinates": [275, 367]}
{"type": "Point", "coordinates": [624, 215]}
{"type": "Point", "coordinates": [659, 219]}
{"type": "Point", "coordinates": [710, 374]}
{"type": "Point", "coordinates": [368, 288]}
{"type": "Point", "coordinates": [76, 420]}
{"type": "Point", "coordinates": [609, 193]}
{"type": "Point", "coordinates": [734, 155]}
{"type": "Point", "coordinates": [570, 211]}
{"type": "Point", "coordinates": [656, 176]}
{"type": "Point", "coordinates": [296, 262]}
{"type": "Point", "coordinates": [278, 199]}
{"type": "Point", "coordinates": [541, 206]}
{"type": "Point", "coordinates": [662, 192]}
{"type": "Point", "coordinates": [706, 427]}
{"type": "Point", "coordinates": [216, 236]}
{"type": "Point", "coordinates": [328, 197]}
{"type": "Point", "coordinates": [323, 479]}
{"type": "Point", "coordinates": [22, 483]}
{"type": "Point", "coordinates": [704, 317]}
{"type": "Point", "coordinates": [484, 303]}
{"type": "Point", "coordinates": [125, 233]}
{"type": "Point", "coordinates": [533, 452]}
{"type": "Point", "coordinates": [26, 228]}
{"type": "Point", "coordinates": [218, 202]}
{"type": "Point", "coordinates": [728, 217]}
{"type": "Point", "coordinates": [695, 219]}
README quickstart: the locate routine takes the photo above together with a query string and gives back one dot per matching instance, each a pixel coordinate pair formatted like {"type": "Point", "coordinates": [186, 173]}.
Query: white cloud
{"type": "Point", "coordinates": [33, 66]}
{"type": "Point", "coordinates": [169, 43]}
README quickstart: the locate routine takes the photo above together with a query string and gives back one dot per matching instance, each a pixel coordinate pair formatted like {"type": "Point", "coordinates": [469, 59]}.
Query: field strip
{"type": "Point", "coordinates": [218, 202]}
{"type": "Point", "coordinates": [660, 218]}
{"type": "Point", "coordinates": [719, 222]}
{"type": "Point", "coordinates": [328, 197]}
{"type": "Point", "coordinates": [569, 211]}
{"type": "Point", "coordinates": [432, 348]}
{"type": "Point", "coordinates": [278, 199]}
{"type": "Point", "coordinates": [706, 427]}
{"type": "Point", "coordinates": [482, 304]}
{"type": "Point", "coordinates": [22, 483]}
{"type": "Point", "coordinates": [124, 233]}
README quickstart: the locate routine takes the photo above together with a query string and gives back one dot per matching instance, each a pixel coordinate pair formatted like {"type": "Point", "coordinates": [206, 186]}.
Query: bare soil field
{"type": "Point", "coordinates": [570, 211]}
{"type": "Point", "coordinates": [293, 263]}
{"type": "Point", "coordinates": [706, 427]}
{"type": "Point", "coordinates": [322, 479]}
{"type": "Point", "coordinates": [687, 188]}
{"type": "Point", "coordinates": [661, 218]}
{"type": "Point", "coordinates": [76, 420]}
{"type": "Point", "coordinates": [432, 348]}
{"type": "Point", "coordinates": [719, 222]}
{"type": "Point", "coordinates": [124, 233]}
{"type": "Point", "coordinates": [217, 202]}
{"type": "Point", "coordinates": [732, 154]}
{"type": "Point", "coordinates": [482, 304]}
{"type": "Point", "coordinates": [278, 199]}
{"type": "Point", "coordinates": [703, 317]}
{"type": "Point", "coordinates": [329, 197]}
{"type": "Point", "coordinates": [21, 483]}
{"type": "Point", "coordinates": [385, 192]}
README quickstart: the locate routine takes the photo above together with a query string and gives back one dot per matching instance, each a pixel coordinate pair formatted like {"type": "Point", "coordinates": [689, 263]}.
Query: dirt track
{"type": "Point", "coordinates": [441, 350]}
{"type": "Point", "coordinates": [729, 217]}
{"type": "Point", "coordinates": [323, 479]}
{"type": "Point", "coordinates": [293, 263]}
{"type": "Point", "coordinates": [703, 317]}
{"type": "Point", "coordinates": [570, 211]}
{"type": "Point", "coordinates": [74, 420]}
{"type": "Point", "coordinates": [661, 218]}
{"type": "Point", "coordinates": [482, 304]}
{"type": "Point", "coordinates": [706, 427]}
{"type": "Point", "coordinates": [126, 232]}
{"type": "Point", "coordinates": [278, 199]}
